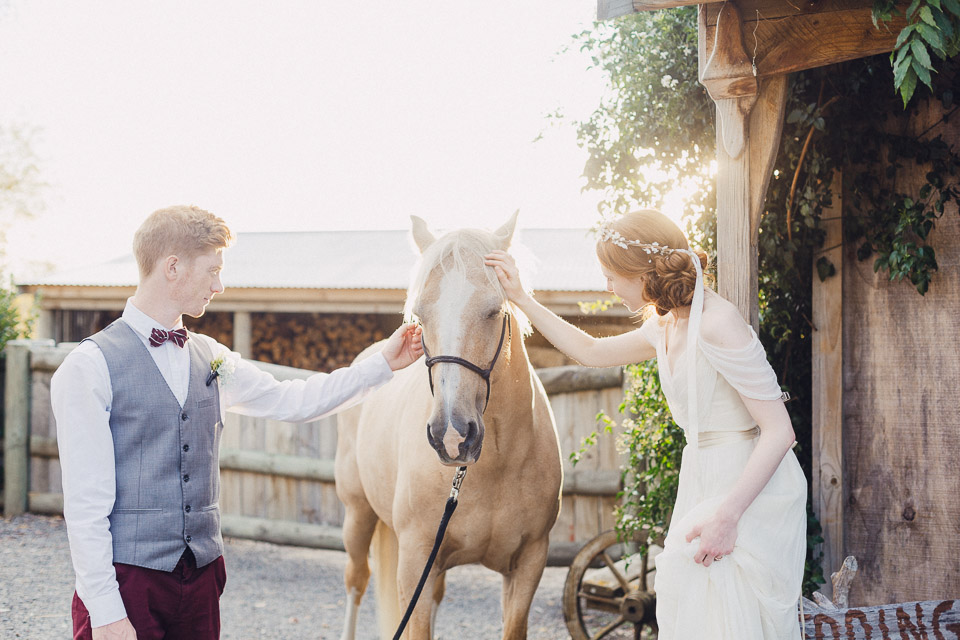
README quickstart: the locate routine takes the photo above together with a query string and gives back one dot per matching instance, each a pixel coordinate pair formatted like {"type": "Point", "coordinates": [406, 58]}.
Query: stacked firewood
{"type": "Point", "coordinates": [316, 341]}
{"type": "Point", "coordinates": [216, 324]}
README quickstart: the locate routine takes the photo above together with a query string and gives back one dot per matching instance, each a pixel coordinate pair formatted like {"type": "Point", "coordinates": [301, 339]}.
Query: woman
{"type": "Point", "coordinates": [732, 563]}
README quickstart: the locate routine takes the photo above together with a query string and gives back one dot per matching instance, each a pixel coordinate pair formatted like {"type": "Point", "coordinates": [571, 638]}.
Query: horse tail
{"type": "Point", "coordinates": [384, 550]}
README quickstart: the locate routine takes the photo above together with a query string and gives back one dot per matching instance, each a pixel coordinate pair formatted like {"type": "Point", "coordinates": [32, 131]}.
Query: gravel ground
{"type": "Point", "coordinates": [272, 591]}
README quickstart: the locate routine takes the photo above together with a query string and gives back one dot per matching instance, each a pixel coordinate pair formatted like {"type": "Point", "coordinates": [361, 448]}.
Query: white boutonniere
{"type": "Point", "coordinates": [222, 367]}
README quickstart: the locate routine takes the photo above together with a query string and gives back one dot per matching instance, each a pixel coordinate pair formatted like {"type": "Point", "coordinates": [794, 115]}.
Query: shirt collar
{"type": "Point", "coordinates": [141, 322]}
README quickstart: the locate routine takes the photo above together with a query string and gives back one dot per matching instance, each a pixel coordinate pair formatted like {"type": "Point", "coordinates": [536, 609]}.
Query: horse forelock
{"type": "Point", "coordinates": [450, 253]}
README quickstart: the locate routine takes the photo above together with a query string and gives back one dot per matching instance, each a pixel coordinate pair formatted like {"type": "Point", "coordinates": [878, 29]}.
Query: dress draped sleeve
{"type": "Point", "coordinates": [745, 368]}
{"type": "Point", "coordinates": [650, 330]}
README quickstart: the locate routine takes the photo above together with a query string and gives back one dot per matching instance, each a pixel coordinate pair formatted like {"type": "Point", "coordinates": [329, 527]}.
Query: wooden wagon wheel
{"type": "Point", "coordinates": [603, 597]}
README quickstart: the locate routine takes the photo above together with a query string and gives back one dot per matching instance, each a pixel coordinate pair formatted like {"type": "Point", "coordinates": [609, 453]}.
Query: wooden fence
{"type": "Point", "coordinates": [277, 479]}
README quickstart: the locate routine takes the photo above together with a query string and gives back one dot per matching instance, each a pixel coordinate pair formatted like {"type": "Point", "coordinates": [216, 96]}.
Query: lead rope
{"type": "Point", "coordinates": [447, 512]}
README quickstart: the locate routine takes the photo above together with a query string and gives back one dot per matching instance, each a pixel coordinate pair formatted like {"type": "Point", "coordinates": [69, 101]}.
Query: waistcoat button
{"type": "Point", "coordinates": [186, 478]}
{"type": "Point", "coordinates": [183, 416]}
{"type": "Point", "coordinates": [186, 447]}
{"type": "Point", "coordinates": [187, 508]}
{"type": "Point", "coordinates": [188, 538]}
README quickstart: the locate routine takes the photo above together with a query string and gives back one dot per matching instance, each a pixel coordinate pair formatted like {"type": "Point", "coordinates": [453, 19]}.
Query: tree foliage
{"type": "Point", "coordinates": [932, 31]}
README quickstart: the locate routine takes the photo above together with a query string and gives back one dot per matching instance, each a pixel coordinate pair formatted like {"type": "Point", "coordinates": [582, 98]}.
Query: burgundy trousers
{"type": "Point", "coordinates": [183, 604]}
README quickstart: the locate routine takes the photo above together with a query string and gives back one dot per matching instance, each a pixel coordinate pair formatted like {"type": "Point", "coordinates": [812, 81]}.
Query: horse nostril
{"type": "Point", "coordinates": [473, 432]}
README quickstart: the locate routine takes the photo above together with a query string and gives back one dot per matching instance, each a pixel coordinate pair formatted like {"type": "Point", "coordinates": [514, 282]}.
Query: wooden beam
{"type": "Point", "coordinates": [49, 356]}
{"type": "Point", "coordinates": [607, 9]}
{"type": "Point", "coordinates": [727, 74]}
{"type": "Point", "coordinates": [741, 190]}
{"type": "Point", "coordinates": [586, 482]}
{"type": "Point", "coordinates": [327, 537]}
{"type": "Point", "coordinates": [748, 135]}
{"type": "Point", "coordinates": [827, 385]}
{"type": "Point", "coordinates": [50, 504]}
{"type": "Point", "coordinates": [571, 378]}
{"type": "Point", "coordinates": [44, 447]}
{"type": "Point", "coordinates": [592, 482]}
{"type": "Point", "coordinates": [782, 38]}
{"type": "Point", "coordinates": [277, 464]}
{"type": "Point", "coordinates": [766, 126]}
{"type": "Point", "coordinates": [385, 301]}
{"type": "Point", "coordinates": [16, 428]}
{"type": "Point", "coordinates": [282, 531]}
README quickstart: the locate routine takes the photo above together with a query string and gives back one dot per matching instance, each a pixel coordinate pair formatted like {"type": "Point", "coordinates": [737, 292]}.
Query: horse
{"type": "Point", "coordinates": [393, 481]}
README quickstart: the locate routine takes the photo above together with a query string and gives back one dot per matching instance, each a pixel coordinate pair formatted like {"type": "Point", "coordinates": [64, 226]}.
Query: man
{"type": "Point", "coordinates": [138, 424]}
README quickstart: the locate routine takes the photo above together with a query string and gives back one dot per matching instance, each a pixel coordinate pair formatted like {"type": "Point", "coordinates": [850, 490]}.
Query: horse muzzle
{"type": "Point", "coordinates": [457, 441]}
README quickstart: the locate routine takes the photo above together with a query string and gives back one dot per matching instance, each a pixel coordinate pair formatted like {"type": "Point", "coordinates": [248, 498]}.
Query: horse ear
{"type": "Point", "coordinates": [421, 234]}
{"type": "Point", "coordinates": [505, 233]}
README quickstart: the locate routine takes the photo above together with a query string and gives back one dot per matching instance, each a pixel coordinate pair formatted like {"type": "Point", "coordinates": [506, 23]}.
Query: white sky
{"type": "Point", "coordinates": [294, 115]}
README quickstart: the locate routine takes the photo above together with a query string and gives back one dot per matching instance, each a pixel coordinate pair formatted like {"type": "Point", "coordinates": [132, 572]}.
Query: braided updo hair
{"type": "Point", "coordinates": [668, 280]}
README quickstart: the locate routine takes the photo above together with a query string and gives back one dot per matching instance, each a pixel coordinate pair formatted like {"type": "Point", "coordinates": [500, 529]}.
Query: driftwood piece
{"type": "Point", "coordinates": [841, 582]}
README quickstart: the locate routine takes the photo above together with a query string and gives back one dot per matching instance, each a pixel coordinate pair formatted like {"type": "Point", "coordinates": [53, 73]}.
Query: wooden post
{"type": "Point", "coordinates": [45, 324]}
{"type": "Point", "coordinates": [749, 122]}
{"type": "Point", "coordinates": [241, 333]}
{"type": "Point", "coordinates": [827, 385]}
{"type": "Point", "coordinates": [16, 427]}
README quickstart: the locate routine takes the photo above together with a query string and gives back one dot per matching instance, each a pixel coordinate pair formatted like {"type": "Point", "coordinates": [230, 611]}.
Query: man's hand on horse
{"type": "Point", "coordinates": [508, 274]}
{"type": "Point", "coordinates": [403, 347]}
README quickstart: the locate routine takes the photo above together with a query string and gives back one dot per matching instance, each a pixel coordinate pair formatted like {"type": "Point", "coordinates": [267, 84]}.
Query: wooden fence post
{"type": "Point", "coordinates": [241, 333]}
{"type": "Point", "coordinates": [16, 427]}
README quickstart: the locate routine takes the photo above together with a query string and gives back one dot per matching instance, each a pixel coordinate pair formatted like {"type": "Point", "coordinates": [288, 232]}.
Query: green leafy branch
{"type": "Point", "coordinates": [933, 27]}
{"type": "Point", "coordinates": [653, 445]}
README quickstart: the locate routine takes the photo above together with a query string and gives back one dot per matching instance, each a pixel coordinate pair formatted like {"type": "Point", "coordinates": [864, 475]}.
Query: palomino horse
{"type": "Point", "coordinates": [394, 479]}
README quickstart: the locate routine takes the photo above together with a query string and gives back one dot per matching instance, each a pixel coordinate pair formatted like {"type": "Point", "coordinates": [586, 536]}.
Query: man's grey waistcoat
{"type": "Point", "coordinates": [167, 456]}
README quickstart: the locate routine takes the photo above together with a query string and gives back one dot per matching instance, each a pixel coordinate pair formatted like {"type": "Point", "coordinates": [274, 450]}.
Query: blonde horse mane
{"type": "Point", "coordinates": [456, 245]}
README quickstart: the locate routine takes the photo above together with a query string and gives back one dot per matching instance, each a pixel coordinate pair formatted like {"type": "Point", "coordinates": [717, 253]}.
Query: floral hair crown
{"type": "Point", "coordinates": [607, 234]}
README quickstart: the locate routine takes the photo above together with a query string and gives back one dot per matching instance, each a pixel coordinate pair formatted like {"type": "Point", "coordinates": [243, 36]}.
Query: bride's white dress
{"type": "Point", "coordinates": [752, 593]}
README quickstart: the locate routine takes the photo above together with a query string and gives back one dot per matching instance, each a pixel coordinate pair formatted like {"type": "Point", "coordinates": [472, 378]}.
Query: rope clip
{"type": "Point", "coordinates": [457, 481]}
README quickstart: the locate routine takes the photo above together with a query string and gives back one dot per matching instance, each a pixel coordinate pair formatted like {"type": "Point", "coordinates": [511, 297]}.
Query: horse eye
{"type": "Point", "coordinates": [493, 314]}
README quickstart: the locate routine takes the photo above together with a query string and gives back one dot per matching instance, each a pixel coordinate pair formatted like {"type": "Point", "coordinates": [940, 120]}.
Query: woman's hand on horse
{"type": "Point", "coordinates": [404, 346]}
{"type": "Point", "coordinates": [508, 274]}
{"type": "Point", "coordinates": [717, 534]}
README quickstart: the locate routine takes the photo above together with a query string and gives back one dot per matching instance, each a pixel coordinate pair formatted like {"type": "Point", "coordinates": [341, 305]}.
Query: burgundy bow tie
{"type": "Point", "coordinates": [176, 336]}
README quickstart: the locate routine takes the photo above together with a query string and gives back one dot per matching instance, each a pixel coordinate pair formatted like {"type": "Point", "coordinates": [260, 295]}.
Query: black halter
{"type": "Point", "coordinates": [483, 373]}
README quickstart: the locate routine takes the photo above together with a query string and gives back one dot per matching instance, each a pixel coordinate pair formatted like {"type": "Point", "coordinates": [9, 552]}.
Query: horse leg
{"type": "Point", "coordinates": [439, 589]}
{"type": "Point", "coordinates": [519, 587]}
{"type": "Point", "coordinates": [358, 526]}
{"type": "Point", "coordinates": [409, 568]}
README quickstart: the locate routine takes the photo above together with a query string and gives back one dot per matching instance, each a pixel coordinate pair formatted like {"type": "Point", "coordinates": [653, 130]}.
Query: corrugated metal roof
{"type": "Point", "coordinates": [354, 260]}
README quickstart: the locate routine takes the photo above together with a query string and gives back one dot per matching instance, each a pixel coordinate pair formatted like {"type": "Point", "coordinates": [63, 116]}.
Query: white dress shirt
{"type": "Point", "coordinates": [81, 396]}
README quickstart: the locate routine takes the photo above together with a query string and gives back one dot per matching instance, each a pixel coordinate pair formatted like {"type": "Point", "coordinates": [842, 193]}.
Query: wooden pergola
{"type": "Point", "coordinates": [746, 51]}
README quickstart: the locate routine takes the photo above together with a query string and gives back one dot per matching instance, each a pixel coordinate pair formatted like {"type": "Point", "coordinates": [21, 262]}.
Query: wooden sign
{"type": "Point", "coordinates": [931, 620]}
